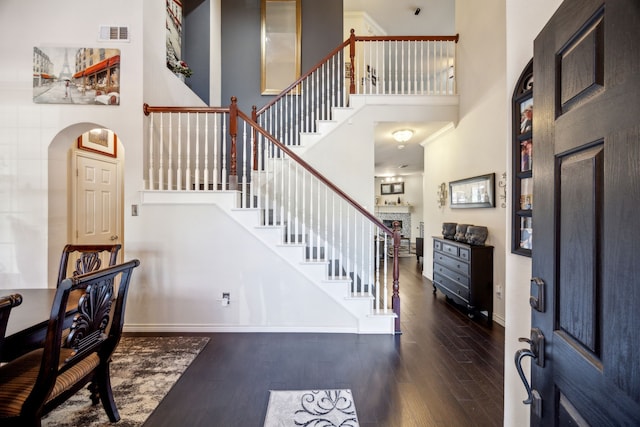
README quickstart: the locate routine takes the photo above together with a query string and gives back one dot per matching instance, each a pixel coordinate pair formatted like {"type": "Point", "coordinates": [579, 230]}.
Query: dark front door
{"type": "Point", "coordinates": [587, 214]}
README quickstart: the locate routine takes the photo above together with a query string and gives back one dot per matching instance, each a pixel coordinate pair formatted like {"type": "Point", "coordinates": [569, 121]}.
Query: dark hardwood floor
{"type": "Point", "coordinates": [444, 370]}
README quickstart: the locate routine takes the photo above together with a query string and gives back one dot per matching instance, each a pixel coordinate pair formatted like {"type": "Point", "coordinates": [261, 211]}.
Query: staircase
{"type": "Point", "coordinates": [266, 167]}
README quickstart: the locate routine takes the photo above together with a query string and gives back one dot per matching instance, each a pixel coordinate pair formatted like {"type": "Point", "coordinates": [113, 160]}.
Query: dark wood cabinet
{"type": "Point", "coordinates": [464, 273]}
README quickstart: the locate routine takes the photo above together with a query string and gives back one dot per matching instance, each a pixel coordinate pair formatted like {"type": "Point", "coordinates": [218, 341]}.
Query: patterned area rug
{"type": "Point", "coordinates": [142, 372]}
{"type": "Point", "coordinates": [326, 408]}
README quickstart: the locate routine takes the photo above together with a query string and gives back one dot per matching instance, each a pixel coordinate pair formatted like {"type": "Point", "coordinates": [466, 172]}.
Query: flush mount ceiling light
{"type": "Point", "coordinates": [403, 135]}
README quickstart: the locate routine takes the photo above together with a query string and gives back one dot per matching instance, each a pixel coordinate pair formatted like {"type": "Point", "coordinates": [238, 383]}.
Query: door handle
{"type": "Point", "coordinates": [114, 237]}
{"type": "Point", "coordinates": [536, 352]}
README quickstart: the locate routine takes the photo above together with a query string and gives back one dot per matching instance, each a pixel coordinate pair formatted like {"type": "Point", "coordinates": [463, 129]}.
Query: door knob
{"type": "Point", "coordinates": [536, 352]}
{"type": "Point", "coordinates": [114, 237]}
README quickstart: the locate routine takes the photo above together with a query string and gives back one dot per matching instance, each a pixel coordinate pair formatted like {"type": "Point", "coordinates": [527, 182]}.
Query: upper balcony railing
{"type": "Point", "coordinates": [385, 65]}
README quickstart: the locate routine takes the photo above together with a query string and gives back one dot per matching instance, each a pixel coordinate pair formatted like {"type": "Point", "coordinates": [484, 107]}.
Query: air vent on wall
{"type": "Point", "coordinates": [114, 33]}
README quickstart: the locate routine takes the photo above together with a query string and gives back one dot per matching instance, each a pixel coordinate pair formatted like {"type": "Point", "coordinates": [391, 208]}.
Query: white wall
{"type": "Point", "coordinates": [524, 22]}
{"type": "Point", "coordinates": [35, 138]}
{"type": "Point", "coordinates": [476, 145]}
{"type": "Point", "coordinates": [186, 267]}
{"type": "Point", "coordinates": [28, 131]}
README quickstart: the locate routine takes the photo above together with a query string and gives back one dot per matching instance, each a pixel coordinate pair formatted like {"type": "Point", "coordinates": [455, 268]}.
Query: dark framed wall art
{"type": "Point", "coordinates": [392, 188]}
{"type": "Point", "coordinates": [475, 192]}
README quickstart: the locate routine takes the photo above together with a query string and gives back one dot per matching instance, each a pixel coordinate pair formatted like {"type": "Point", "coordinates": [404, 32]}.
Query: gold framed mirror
{"type": "Point", "coordinates": [280, 38]}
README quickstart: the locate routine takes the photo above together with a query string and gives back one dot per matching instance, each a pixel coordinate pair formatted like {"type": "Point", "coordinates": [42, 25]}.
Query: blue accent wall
{"type": "Point", "coordinates": [196, 48]}
{"type": "Point", "coordinates": [321, 33]}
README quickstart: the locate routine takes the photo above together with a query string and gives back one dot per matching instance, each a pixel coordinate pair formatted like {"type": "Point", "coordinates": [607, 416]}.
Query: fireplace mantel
{"type": "Point", "coordinates": [392, 209]}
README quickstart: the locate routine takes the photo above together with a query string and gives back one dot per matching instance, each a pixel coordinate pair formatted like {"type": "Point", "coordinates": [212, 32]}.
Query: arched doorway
{"type": "Point", "coordinates": [62, 200]}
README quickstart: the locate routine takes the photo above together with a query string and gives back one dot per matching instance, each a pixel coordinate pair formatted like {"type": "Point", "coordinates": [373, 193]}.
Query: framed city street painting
{"type": "Point", "coordinates": [71, 75]}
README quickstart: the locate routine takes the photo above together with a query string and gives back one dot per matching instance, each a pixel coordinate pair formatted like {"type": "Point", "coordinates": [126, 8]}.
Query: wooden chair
{"type": "Point", "coordinates": [88, 259]}
{"type": "Point", "coordinates": [37, 382]}
{"type": "Point", "coordinates": [6, 304]}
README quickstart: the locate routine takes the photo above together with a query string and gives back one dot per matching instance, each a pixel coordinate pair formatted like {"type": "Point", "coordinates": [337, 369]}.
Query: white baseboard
{"type": "Point", "coordinates": [191, 328]}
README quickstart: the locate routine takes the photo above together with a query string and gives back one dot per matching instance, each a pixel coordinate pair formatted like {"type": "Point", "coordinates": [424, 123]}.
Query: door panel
{"type": "Point", "coordinates": [97, 202]}
{"type": "Point", "coordinates": [587, 192]}
{"type": "Point", "coordinates": [581, 176]}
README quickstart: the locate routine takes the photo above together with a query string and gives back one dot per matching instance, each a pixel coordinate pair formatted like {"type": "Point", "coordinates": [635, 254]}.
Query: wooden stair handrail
{"type": "Point", "coordinates": [314, 172]}
{"type": "Point", "coordinates": [147, 109]}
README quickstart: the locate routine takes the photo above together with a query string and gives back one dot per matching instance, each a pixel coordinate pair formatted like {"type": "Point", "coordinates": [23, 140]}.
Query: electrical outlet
{"type": "Point", "coordinates": [225, 298]}
{"type": "Point", "coordinates": [499, 292]}
{"type": "Point", "coordinates": [134, 210]}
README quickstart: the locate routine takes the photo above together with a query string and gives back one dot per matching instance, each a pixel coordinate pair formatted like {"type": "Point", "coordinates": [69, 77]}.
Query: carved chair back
{"type": "Point", "coordinates": [44, 378]}
{"type": "Point", "coordinates": [86, 258]}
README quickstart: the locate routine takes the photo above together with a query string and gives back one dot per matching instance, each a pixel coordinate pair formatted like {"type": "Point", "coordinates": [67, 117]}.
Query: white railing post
{"type": "Point", "coordinates": [197, 159]}
{"type": "Point", "coordinates": [206, 151]}
{"type": "Point", "coordinates": [245, 165]}
{"type": "Point", "coordinates": [223, 142]}
{"type": "Point", "coordinates": [170, 160]}
{"type": "Point", "coordinates": [150, 184]}
{"type": "Point", "coordinates": [216, 140]}
{"type": "Point", "coordinates": [179, 168]}
{"type": "Point", "coordinates": [188, 159]}
{"type": "Point", "coordinates": [160, 152]}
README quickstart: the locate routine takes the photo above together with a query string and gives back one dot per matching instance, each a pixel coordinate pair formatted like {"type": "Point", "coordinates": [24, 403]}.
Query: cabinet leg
{"type": "Point", "coordinates": [434, 289]}
{"type": "Point", "coordinates": [471, 312]}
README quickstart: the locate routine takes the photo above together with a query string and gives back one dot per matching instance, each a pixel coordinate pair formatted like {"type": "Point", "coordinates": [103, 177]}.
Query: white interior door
{"type": "Point", "coordinates": [97, 202]}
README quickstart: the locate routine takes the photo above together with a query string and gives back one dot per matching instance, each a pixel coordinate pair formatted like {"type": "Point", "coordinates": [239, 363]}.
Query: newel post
{"type": "Point", "coordinates": [254, 133]}
{"type": "Point", "coordinates": [233, 132]}
{"type": "Point", "coordinates": [352, 58]}
{"type": "Point", "coordinates": [395, 298]}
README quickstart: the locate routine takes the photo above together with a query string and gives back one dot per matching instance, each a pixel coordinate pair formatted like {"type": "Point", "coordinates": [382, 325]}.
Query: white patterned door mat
{"type": "Point", "coordinates": [324, 408]}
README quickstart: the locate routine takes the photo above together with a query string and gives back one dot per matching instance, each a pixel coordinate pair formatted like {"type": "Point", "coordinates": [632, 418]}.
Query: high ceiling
{"type": "Point", "coordinates": [398, 17]}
